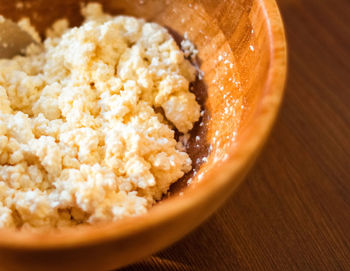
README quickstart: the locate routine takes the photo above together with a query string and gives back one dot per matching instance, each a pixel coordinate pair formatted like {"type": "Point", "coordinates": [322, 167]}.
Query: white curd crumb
{"type": "Point", "coordinates": [25, 25]}
{"type": "Point", "coordinates": [188, 48]}
{"type": "Point", "coordinates": [189, 181]}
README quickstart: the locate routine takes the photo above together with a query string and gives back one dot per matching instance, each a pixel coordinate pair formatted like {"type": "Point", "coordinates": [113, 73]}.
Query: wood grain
{"type": "Point", "coordinates": [293, 211]}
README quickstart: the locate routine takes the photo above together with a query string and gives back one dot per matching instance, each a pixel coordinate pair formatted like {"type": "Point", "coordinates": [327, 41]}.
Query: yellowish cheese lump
{"type": "Point", "coordinates": [81, 136]}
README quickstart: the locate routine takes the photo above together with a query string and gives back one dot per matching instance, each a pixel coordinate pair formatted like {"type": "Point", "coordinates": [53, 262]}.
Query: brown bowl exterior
{"type": "Point", "coordinates": [243, 56]}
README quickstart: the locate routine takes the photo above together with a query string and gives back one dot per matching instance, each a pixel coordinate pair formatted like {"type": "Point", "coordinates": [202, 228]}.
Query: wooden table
{"type": "Point", "coordinates": [293, 211]}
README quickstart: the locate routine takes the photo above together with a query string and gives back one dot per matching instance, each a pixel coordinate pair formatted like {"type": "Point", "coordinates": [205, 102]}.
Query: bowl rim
{"type": "Point", "coordinates": [241, 155]}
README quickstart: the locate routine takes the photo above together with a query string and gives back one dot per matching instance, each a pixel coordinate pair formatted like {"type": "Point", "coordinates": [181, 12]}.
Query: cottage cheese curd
{"type": "Point", "coordinates": [87, 122]}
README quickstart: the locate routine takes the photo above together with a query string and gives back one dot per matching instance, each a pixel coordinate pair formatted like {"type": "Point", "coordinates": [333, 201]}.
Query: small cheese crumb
{"type": "Point", "coordinates": [188, 48]}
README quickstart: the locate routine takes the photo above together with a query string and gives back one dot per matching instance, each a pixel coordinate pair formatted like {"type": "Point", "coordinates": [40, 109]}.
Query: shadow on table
{"type": "Point", "coordinates": [208, 248]}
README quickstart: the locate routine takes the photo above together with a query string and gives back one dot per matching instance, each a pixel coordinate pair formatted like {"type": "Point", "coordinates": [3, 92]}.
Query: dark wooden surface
{"type": "Point", "coordinates": [293, 211]}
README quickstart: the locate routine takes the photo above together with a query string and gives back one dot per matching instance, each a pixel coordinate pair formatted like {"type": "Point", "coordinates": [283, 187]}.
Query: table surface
{"type": "Point", "coordinates": [293, 210]}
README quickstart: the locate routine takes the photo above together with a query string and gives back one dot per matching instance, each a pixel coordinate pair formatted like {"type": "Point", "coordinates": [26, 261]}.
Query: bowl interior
{"type": "Point", "coordinates": [234, 62]}
{"type": "Point", "coordinates": [235, 54]}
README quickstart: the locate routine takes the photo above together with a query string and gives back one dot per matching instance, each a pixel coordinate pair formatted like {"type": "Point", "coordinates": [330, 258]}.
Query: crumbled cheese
{"type": "Point", "coordinates": [191, 53]}
{"type": "Point", "coordinates": [80, 139]}
{"type": "Point", "coordinates": [188, 48]}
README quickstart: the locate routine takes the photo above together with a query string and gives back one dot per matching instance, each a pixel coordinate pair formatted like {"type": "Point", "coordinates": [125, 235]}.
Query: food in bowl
{"type": "Point", "coordinates": [88, 119]}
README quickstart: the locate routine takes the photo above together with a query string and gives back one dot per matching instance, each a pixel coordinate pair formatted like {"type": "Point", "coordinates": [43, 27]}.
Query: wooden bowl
{"type": "Point", "coordinates": [242, 51]}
